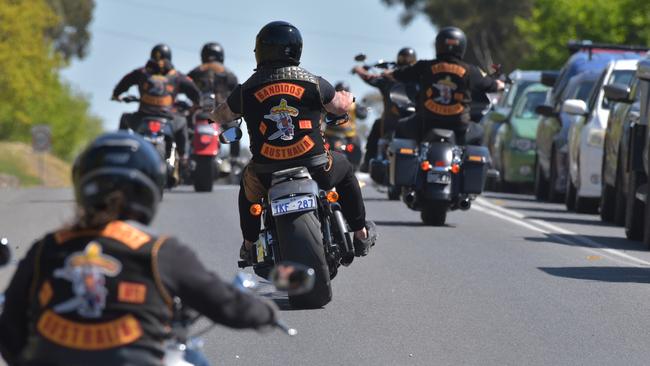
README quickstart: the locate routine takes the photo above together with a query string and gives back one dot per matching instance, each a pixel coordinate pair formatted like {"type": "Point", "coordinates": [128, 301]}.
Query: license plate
{"type": "Point", "coordinates": [438, 177]}
{"type": "Point", "coordinates": [293, 204]}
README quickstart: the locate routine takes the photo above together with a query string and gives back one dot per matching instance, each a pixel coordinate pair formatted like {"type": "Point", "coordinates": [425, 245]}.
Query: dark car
{"type": "Point", "coordinates": [624, 113]}
{"type": "Point", "coordinates": [551, 167]}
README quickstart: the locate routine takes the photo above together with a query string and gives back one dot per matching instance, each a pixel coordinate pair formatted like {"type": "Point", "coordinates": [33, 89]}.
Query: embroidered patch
{"type": "Point", "coordinates": [288, 152]}
{"type": "Point", "coordinates": [118, 230]}
{"type": "Point", "coordinates": [263, 128]}
{"type": "Point", "coordinates": [131, 292]}
{"type": "Point", "coordinates": [45, 294]}
{"type": "Point", "coordinates": [86, 271]}
{"type": "Point", "coordinates": [305, 124]}
{"type": "Point", "coordinates": [281, 115]}
{"type": "Point", "coordinates": [268, 91]}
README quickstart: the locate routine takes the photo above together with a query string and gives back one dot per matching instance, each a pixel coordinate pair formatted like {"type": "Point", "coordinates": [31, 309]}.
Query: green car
{"type": "Point", "coordinates": [514, 145]}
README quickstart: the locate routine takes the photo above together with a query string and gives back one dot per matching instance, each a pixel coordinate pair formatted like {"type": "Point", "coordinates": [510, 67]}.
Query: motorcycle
{"type": "Point", "coordinates": [348, 146]}
{"type": "Point", "coordinates": [436, 175]}
{"type": "Point", "coordinates": [205, 147]}
{"type": "Point", "coordinates": [160, 133]}
{"type": "Point", "coordinates": [301, 223]}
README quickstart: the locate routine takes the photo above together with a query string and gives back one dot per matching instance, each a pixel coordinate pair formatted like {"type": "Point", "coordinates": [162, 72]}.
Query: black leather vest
{"type": "Point", "coordinates": [212, 77]}
{"type": "Point", "coordinates": [158, 92]}
{"type": "Point", "coordinates": [97, 292]}
{"type": "Point", "coordinates": [282, 107]}
{"type": "Point", "coordinates": [444, 94]}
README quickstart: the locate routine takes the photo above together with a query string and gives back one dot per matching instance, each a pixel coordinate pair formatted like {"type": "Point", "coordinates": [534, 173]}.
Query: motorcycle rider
{"type": "Point", "coordinates": [349, 128]}
{"type": "Point", "coordinates": [212, 77]}
{"type": "Point", "coordinates": [282, 105]}
{"type": "Point", "coordinates": [101, 291]}
{"type": "Point", "coordinates": [446, 84]}
{"type": "Point", "coordinates": [159, 84]}
{"type": "Point", "coordinates": [390, 115]}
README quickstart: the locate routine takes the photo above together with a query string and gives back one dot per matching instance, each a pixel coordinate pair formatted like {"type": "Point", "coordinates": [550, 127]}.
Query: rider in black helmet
{"type": "Point", "coordinates": [346, 133]}
{"type": "Point", "coordinates": [388, 121]}
{"type": "Point", "coordinates": [212, 77]}
{"type": "Point", "coordinates": [446, 85]}
{"type": "Point", "coordinates": [159, 84]}
{"type": "Point", "coordinates": [100, 291]}
{"type": "Point", "coordinates": [282, 104]}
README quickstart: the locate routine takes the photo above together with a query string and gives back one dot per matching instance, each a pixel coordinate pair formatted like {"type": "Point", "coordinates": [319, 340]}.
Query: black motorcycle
{"type": "Point", "coordinates": [303, 224]}
{"type": "Point", "coordinates": [435, 175]}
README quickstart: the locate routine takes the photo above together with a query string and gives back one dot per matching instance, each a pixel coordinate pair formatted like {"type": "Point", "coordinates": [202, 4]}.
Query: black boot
{"type": "Point", "coordinates": [362, 247]}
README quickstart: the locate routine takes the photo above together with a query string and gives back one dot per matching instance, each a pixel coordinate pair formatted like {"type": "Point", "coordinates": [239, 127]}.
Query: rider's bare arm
{"type": "Point", "coordinates": [340, 103]}
{"type": "Point", "coordinates": [223, 114]}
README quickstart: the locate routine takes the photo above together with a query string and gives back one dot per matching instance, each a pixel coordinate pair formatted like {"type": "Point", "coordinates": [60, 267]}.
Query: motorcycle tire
{"type": "Point", "coordinates": [394, 193]}
{"type": "Point", "coordinates": [301, 240]}
{"type": "Point", "coordinates": [541, 184]}
{"type": "Point", "coordinates": [553, 195]}
{"type": "Point", "coordinates": [607, 203]}
{"type": "Point", "coordinates": [434, 213]}
{"type": "Point", "coordinates": [203, 174]}
{"type": "Point", "coordinates": [621, 199]}
{"type": "Point", "coordinates": [635, 209]}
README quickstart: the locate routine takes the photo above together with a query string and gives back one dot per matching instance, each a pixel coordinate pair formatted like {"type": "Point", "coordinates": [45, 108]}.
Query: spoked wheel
{"type": "Point", "coordinates": [434, 213]}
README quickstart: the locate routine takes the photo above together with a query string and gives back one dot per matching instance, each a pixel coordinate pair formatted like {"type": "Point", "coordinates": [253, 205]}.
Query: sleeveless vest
{"type": "Point", "coordinates": [158, 92]}
{"type": "Point", "coordinates": [445, 93]}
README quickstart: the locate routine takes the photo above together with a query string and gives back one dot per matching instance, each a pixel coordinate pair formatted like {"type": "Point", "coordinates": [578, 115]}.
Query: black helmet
{"type": "Point", "coordinates": [451, 41]}
{"type": "Point", "coordinates": [212, 52]}
{"type": "Point", "coordinates": [342, 85]}
{"type": "Point", "coordinates": [406, 56]}
{"type": "Point", "coordinates": [161, 51]}
{"type": "Point", "coordinates": [124, 162]}
{"type": "Point", "coordinates": [278, 41]}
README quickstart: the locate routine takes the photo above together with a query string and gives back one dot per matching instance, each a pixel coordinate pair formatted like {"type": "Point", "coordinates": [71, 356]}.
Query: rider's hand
{"type": "Point", "coordinates": [500, 84]}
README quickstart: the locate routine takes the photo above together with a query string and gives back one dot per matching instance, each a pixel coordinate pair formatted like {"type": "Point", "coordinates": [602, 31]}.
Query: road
{"type": "Point", "coordinates": [510, 282]}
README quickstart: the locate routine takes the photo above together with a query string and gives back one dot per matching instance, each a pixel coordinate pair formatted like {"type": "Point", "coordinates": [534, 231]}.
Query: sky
{"type": "Point", "coordinates": [334, 31]}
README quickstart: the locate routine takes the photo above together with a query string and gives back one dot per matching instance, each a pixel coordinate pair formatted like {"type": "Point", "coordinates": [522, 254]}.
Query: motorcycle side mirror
{"type": "Point", "coordinates": [230, 135]}
{"type": "Point", "coordinates": [5, 252]}
{"type": "Point", "coordinates": [292, 277]}
{"type": "Point", "coordinates": [360, 57]}
{"type": "Point", "coordinates": [245, 282]}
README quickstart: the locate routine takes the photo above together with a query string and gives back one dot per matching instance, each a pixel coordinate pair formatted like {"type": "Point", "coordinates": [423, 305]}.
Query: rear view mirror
{"type": "Point", "coordinates": [548, 78]}
{"type": "Point", "coordinates": [545, 110]}
{"type": "Point", "coordinates": [497, 116]}
{"type": "Point", "coordinates": [5, 252]}
{"type": "Point", "coordinates": [575, 106]}
{"type": "Point", "coordinates": [292, 277]}
{"type": "Point", "coordinates": [230, 135]}
{"type": "Point", "coordinates": [360, 57]}
{"type": "Point", "coordinates": [617, 93]}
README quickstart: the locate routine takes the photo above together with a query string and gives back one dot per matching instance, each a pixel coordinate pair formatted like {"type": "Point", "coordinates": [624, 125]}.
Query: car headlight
{"type": "Point", "coordinates": [596, 138]}
{"type": "Point", "coordinates": [522, 144]}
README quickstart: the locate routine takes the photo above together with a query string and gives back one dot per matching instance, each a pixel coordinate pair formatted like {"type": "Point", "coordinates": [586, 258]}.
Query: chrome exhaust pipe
{"type": "Point", "coordinates": [465, 204]}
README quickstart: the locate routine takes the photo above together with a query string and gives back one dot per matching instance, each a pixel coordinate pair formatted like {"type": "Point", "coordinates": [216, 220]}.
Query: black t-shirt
{"type": "Point", "coordinates": [327, 93]}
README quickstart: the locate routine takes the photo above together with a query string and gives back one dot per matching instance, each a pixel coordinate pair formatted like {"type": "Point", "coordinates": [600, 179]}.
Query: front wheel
{"type": "Point", "coordinates": [301, 241]}
{"type": "Point", "coordinates": [203, 174]}
{"type": "Point", "coordinates": [434, 213]}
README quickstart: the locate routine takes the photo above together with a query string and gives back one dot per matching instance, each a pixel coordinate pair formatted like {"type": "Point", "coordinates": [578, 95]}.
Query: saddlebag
{"type": "Point", "coordinates": [476, 160]}
{"type": "Point", "coordinates": [403, 162]}
{"type": "Point", "coordinates": [379, 171]}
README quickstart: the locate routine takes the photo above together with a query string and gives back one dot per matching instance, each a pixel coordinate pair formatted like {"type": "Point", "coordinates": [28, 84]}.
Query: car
{"type": "Point", "coordinates": [552, 134]}
{"type": "Point", "coordinates": [637, 211]}
{"type": "Point", "coordinates": [514, 145]}
{"type": "Point", "coordinates": [586, 138]}
{"type": "Point", "coordinates": [616, 152]}
{"type": "Point", "coordinates": [491, 122]}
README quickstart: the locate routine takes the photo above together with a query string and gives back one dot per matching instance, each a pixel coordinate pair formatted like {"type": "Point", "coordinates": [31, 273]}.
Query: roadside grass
{"type": "Point", "coordinates": [18, 160]}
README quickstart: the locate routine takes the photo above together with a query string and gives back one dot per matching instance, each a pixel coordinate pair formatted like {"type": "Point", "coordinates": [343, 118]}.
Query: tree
{"type": "Point", "coordinates": [70, 33]}
{"type": "Point", "coordinates": [492, 34]}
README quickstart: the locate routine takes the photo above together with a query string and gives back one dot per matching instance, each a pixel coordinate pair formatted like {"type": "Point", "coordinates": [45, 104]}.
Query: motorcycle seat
{"type": "Point", "coordinates": [438, 134]}
{"type": "Point", "coordinates": [289, 174]}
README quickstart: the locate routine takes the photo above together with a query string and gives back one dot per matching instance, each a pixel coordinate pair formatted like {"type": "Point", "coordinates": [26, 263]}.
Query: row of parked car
{"type": "Point", "coordinates": [579, 135]}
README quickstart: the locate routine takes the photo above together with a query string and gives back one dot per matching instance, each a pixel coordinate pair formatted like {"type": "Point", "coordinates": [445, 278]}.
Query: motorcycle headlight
{"type": "Point", "coordinates": [522, 144]}
{"type": "Point", "coordinates": [596, 138]}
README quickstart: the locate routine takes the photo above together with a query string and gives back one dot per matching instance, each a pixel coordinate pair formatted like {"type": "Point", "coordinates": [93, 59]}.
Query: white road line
{"type": "Point", "coordinates": [551, 230]}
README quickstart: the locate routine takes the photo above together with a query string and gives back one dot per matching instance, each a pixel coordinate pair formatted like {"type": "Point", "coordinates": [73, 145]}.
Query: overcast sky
{"type": "Point", "coordinates": [123, 32]}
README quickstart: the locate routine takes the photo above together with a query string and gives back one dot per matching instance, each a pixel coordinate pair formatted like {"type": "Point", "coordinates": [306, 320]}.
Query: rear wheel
{"type": "Point", "coordinates": [301, 241]}
{"type": "Point", "coordinates": [203, 174]}
{"type": "Point", "coordinates": [553, 194]}
{"type": "Point", "coordinates": [620, 201]}
{"type": "Point", "coordinates": [570, 195]}
{"type": "Point", "coordinates": [635, 209]}
{"type": "Point", "coordinates": [607, 203]}
{"type": "Point", "coordinates": [541, 184]}
{"type": "Point", "coordinates": [434, 213]}
{"type": "Point", "coordinates": [394, 193]}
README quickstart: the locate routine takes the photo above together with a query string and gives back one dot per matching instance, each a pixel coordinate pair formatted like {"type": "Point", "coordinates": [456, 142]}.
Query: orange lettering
{"type": "Point", "coordinates": [279, 89]}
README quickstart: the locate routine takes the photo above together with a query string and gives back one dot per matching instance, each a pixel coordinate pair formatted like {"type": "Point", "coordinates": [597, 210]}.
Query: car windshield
{"type": "Point", "coordinates": [583, 89]}
{"type": "Point", "coordinates": [516, 90]}
{"type": "Point", "coordinates": [533, 99]}
{"type": "Point", "coordinates": [623, 77]}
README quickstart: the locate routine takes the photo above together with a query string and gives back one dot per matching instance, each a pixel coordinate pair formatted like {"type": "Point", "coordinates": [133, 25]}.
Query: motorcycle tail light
{"type": "Point", "coordinates": [155, 126]}
{"type": "Point", "coordinates": [256, 209]}
{"type": "Point", "coordinates": [455, 168]}
{"type": "Point", "coordinates": [349, 148]}
{"type": "Point", "coordinates": [425, 165]}
{"type": "Point", "coordinates": [332, 196]}
{"type": "Point", "coordinates": [205, 139]}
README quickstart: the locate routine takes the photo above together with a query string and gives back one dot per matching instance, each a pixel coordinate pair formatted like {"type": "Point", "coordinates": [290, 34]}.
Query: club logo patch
{"type": "Point", "coordinates": [446, 89]}
{"type": "Point", "coordinates": [282, 116]}
{"type": "Point", "coordinates": [87, 272]}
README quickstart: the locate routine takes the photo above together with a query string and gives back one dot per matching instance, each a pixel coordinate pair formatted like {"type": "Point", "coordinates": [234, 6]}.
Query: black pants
{"type": "Point", "coordinates": [179, 125]}
{"type": "Point", "coordinates": [340, 175]}
{"type": "Point", "coordinates": [381, 128]}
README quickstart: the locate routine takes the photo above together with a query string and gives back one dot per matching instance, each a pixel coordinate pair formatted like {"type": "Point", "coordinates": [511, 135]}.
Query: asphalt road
{"type": "Point", "coordinates": [510, 282]}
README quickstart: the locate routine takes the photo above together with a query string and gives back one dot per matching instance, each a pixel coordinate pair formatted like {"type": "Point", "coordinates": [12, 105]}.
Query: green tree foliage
{"type": "Point", "coordinates": [492, 34]}
{"type": "Point", "coordinates": [70, 33]}
{"type": "Point", "coordinates": [30, 89]}
{"type": "Point", "coordinates": [553, 23]}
